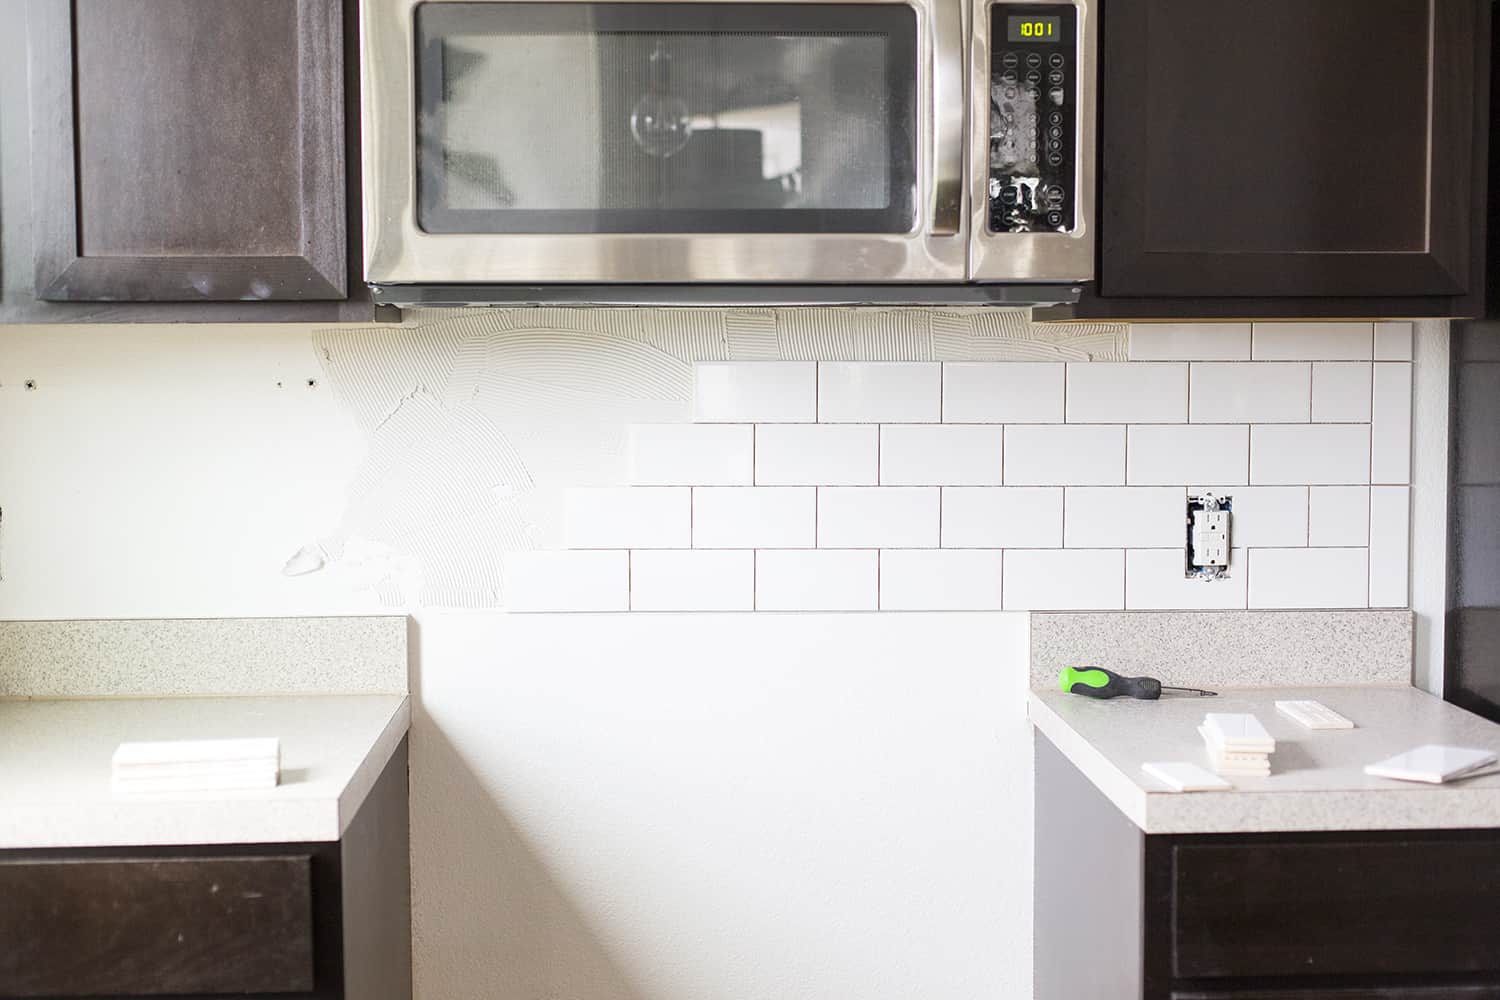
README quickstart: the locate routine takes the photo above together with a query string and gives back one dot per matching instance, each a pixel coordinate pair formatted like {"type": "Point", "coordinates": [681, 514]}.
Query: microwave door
{"type": "Point", "coordinates": [723, 141]}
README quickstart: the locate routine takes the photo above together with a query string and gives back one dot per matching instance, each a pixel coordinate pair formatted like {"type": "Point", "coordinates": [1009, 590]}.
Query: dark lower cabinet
{"type": "Point", "coordinates": [1363, 915]}
{"type": "Point", "coordinates": [320, 921]}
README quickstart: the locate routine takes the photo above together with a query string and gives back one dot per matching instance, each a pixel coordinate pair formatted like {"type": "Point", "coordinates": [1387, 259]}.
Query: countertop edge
{"type": "Point", "coordinates": [370, 769]}
{"type": "Point", "coordinates": [1126, 796]}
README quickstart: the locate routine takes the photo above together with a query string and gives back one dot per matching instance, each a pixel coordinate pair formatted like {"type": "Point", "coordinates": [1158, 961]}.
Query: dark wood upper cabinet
{"type": "Point", "coordinates": [1289, 150]}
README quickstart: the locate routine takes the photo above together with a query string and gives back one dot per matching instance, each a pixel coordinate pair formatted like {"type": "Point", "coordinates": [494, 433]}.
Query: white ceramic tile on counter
{"type": "Point", "coordinates": [817, 455]}
{"type": "Point", "coordinates": [872, 392]}
{"type": "Point", "coordinates": [1155, 580]}
{"type": "Point", "coordinates": [1338, 516]}
{"type": "Point", "coordinates": [578, 580]}
{"type": "Point", "coordinates": [754, 517]}
{"type": "Point", "coordinates": [1169, 456]}
{"type": "Point", "coordinates": [1309, 578]}
{"type": "Point", "coordinates": [1190, 342]}
{"type": "Point", "coordinates": [1002, 517]}
{"type": "Point", "coordinates": [940, 579]}
{"type": "Point", "coordinates": [1393, 341]}
{"type": "Point", "coordinates": [1065, 455]}
{"type": "Point", "coordinates": [1323, 454]}
{"type": "Point", "coordinates": [1312, 341]}
{"type": "Point", "coordinates": [1003, 392]}
{"type": "Point", "coordinates": [755, 391]}
{"type": "Point", "coordinates": [1341, 392]}
{"type": "Point", "coordinates": [868, 517]}
{"type": "Point", "coordinates": [623, 517]}
{"type": "Point", "coordinates": [1127, 392]}
{"type": "Point", "coordinates": [941, 454]}
{"type": "Point", "coordinates": [817, 580]}
{"type": "Point", "coordinates": [692, 580]}
{"type": "Point", "coordinates": [1264, 516]}
{"type": "Point", "coordinates": [1124, 517]}
{"type": "Point", "coordinates": [1064, 579]}
{"type": "Point", "coordinates": [1390, 431]}
{"type": "Point", "coordinates": [691, 454]}
{"type": "Point", "coordinates": [1250, 392]}
{"type": "Point", "coordinates": [1390, 546]}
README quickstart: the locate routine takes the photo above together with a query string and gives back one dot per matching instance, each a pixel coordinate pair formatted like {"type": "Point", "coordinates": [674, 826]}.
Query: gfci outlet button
{"type": "Point", "coordinates": [1208, 519]}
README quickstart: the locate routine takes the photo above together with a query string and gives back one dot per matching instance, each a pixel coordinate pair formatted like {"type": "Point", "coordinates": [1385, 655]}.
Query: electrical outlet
{"type": "Point", "coordinates": [1208, 518]}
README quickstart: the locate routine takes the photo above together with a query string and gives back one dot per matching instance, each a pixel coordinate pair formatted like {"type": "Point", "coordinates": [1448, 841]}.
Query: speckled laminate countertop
{"type": "Point", "coordinates": [1317, 780]}
{"type": "Point", "coordinates": [55, 768]}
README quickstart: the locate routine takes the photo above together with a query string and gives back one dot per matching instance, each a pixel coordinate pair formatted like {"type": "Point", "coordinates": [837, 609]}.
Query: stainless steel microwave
{"type": "Point", "coordinates": [729, 150]}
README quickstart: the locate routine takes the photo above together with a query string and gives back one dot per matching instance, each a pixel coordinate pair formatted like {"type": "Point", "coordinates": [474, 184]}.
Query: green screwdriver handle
{"type": "Point", "coordinates": [1096, 682]}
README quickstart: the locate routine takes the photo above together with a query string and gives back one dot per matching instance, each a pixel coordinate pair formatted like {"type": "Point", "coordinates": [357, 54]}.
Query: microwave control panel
{"type": "Point", "coordinates": [1033, 117]}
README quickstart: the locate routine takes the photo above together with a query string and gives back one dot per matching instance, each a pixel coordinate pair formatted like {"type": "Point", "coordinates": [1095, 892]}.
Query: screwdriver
{"type": "Point", "coordinates": [1096, 682]}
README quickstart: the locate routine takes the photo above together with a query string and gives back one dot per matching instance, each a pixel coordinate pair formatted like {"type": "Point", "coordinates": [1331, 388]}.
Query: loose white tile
{"type": "Point", "coordinates": [1393, 341]}
{"type": "Point", "coordinates": [1155, 581]}
{"type": "Point", "coordinates": [1169, 456]}
{"type": "Point", "coordinates": [1064, 580]}
{"type": "Point", "coordinates": [1064, 456]}
{"type": "Point", "coordinates": [873, 517]}
{"type": "Point", "coordinates": [1390, 430]}
{"type": "Point", "coordinates": [691, 454]}
{"type": "Point", "coordinates": [1313, 341]}
{"type": "Point", "coordinates": [1003, 392]}
{"type": "Point", "coordinates": [1250, 392]}
{"type": "Point", "coordinates": [1308, 578]}
{"type": "Point", "coordinates": [755, 391]}
{"type": "Point", "coordinates": [1125, 517]}
{"type": "Point", "coordinates": [627, 517]}
{"type": "Point", "coordinates": [875, 392]}
{"type": "Point", "coordinates": [693, 580]}
{"type": "Point", "coordinates": [1341, 392]}
{"type": "Point", "coordinates": [1390, 546]}
{"type": "Point", "coordinates": [940, 580]}
{"type": "Point", "coordinates": [1263, 516]}
{"type": "Point", "coordinates": [1326, 454]}
{"type": "Point", "coordinates": [1190, 342]}
{"type": "Point", "coordinates": [754, 517]}
{"type": "Point", "coordinates": [1338, 516]}
{"type": "Point", "coordinates": [941, 454]}
{"type": "Point", "coordinates": [817, 454]}
{"type": "Point", "coordinates": [1127, 393]}
{"type": "Point", "coordinates": [567, 581]}
{"type": "Point", "coordinates": [816, 580]}
{"type": "Point", "coordinates": [1002, 517]}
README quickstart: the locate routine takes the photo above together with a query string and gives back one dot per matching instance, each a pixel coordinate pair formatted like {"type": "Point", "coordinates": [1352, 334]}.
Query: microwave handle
{"type": "Point", "coordinates": [948, 117]}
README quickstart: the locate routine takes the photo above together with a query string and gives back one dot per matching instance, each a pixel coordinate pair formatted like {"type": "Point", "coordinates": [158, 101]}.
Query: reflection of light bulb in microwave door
{"type": "Point", "coordinates": [659, 122]}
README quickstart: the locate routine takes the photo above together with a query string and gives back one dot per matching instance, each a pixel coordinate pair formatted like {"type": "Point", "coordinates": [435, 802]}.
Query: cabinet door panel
{"type": "Point", "coordinates": [1286, 148]}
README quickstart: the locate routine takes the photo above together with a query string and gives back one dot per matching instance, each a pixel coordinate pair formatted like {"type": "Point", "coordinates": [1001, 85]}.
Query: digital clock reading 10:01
{"type": "Point", "coordinates": [1033, 29]}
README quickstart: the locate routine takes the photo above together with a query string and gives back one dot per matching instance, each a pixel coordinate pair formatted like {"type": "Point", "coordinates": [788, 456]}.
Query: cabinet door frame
{"type": "Point", "coordinates": [63, 274]}
{"type": "Point", "coordinates": [1129, 267]}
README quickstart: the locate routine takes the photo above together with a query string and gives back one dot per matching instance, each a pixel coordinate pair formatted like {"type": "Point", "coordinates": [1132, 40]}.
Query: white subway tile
{"type": "Point", "coordinates": [1263, 516]}
{"type": "Point", "coordinates": [627, 517]}
{"type": "Point", "coordinates": [1390, 546]}
{"type": "Point", "coordinates": [940, 454]}
{"type": "Point", "coordinates": [1338, 516]}
{"type": "Point", "coordinates": [691, 454]}
{"type": "Point", "coordinates": [1102, 392]}
{"type": "Point", "coordinates": [875, 392]}
{"type": "Point", "coordinates": [873, 517]}
{"type": "Point", "coordinates": [596, 580]}
{"type": "Point", "coordinates": [1313, 341]}
{"type": "Point", "coordinates": [1341, 392]}
{"type": "Point", "coordinates": [1250, 392]}
{"type": "Point", "coordinates": [1169, 456]}
{"type": "Point", "coordinates": [817, 580]}
{"type": "Point", "coordinates": [1003, 392]}
{"type": "Point", "coordinates": [1190, 342]}
{"type": "Point", "coordinates": [1327, 454]}
{"type": "Point", "coordinates": [1309, 578]}
{"type": "Point", "coordinates": [817, 455]}
{"type": "Point", "coordinates": [692, 580]}
{"type": "Point", "coordinates": [754, 517]}
{"type": "Point", "coordinates": [1064, 456]}
{"type": "Point", "coordinates": [1064, 580]}
{"type": "Point", "coordinates": [1125, 517]}
{"type": "Point", "coordinates": [755, 391]}
{"type": "Point", "coordinates": [1155, 581]}
{"type": "Point", "coordinates": [1393, 341]}
{"type": "Point", "coordinates": [940, 580]}
{"type": "Point", "coordinates": [1002, 517]}
{"type": "Point", "coordinates": [1390, 430]}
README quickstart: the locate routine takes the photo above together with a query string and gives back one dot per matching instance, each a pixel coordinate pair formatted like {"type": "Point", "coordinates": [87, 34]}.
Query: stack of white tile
{"type": "Point", "coordinates": [1237, 744]}
{"type": "Point", "coordinates": [196, 765]}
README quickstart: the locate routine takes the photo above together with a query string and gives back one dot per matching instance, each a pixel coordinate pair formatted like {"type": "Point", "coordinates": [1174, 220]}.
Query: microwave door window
{"type": "Point", "coordinates": [646, 118]}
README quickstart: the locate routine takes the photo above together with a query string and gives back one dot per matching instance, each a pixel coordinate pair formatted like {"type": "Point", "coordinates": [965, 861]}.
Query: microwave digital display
{"type": "Point", "coordinates": [1033, 29]}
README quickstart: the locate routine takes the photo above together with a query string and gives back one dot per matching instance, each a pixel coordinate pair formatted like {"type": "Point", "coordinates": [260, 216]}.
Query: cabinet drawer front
{"type": "Point", "coordinates": [1349, 993]}
{"type": "Point", "coordinates": [1358, 905]}
{"type": "Point", "coordinates": [156, 926]}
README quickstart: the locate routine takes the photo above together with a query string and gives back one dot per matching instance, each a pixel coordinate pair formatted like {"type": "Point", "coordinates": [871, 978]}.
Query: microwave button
{"type": "Point", "coordinates": [1054, 193]}
{"type": "Point", "coordinates": [1009, 76]}
{"type": "Point", "coordinates": [1058, 96]}
{"type": "Point", "coordinates": [1009, 59]}
{"type": "Point", "coordinates": [1054, 219]}
{"type": "Point", "coordinates": [1011, 93]}
{"type": "Point", "coordinates": [1009, 196]}
{"type": "Point", "coordinates": [1056, 61]}
{"type": "Point", "coordinates": [1055, 132]}
{"type": "Point", "coordinates": [1055, 77]}
{"type": "Point", "coordinates": [1034, 59]}
{"type": "Point", "coordinates": [1054, 118]}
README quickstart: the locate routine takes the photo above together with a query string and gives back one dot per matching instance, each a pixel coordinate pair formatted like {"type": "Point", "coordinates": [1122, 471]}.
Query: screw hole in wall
{"type": "Point", "coordinates": [312, 383]}
{"type": "Point", "coordinates": [30, 384]}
